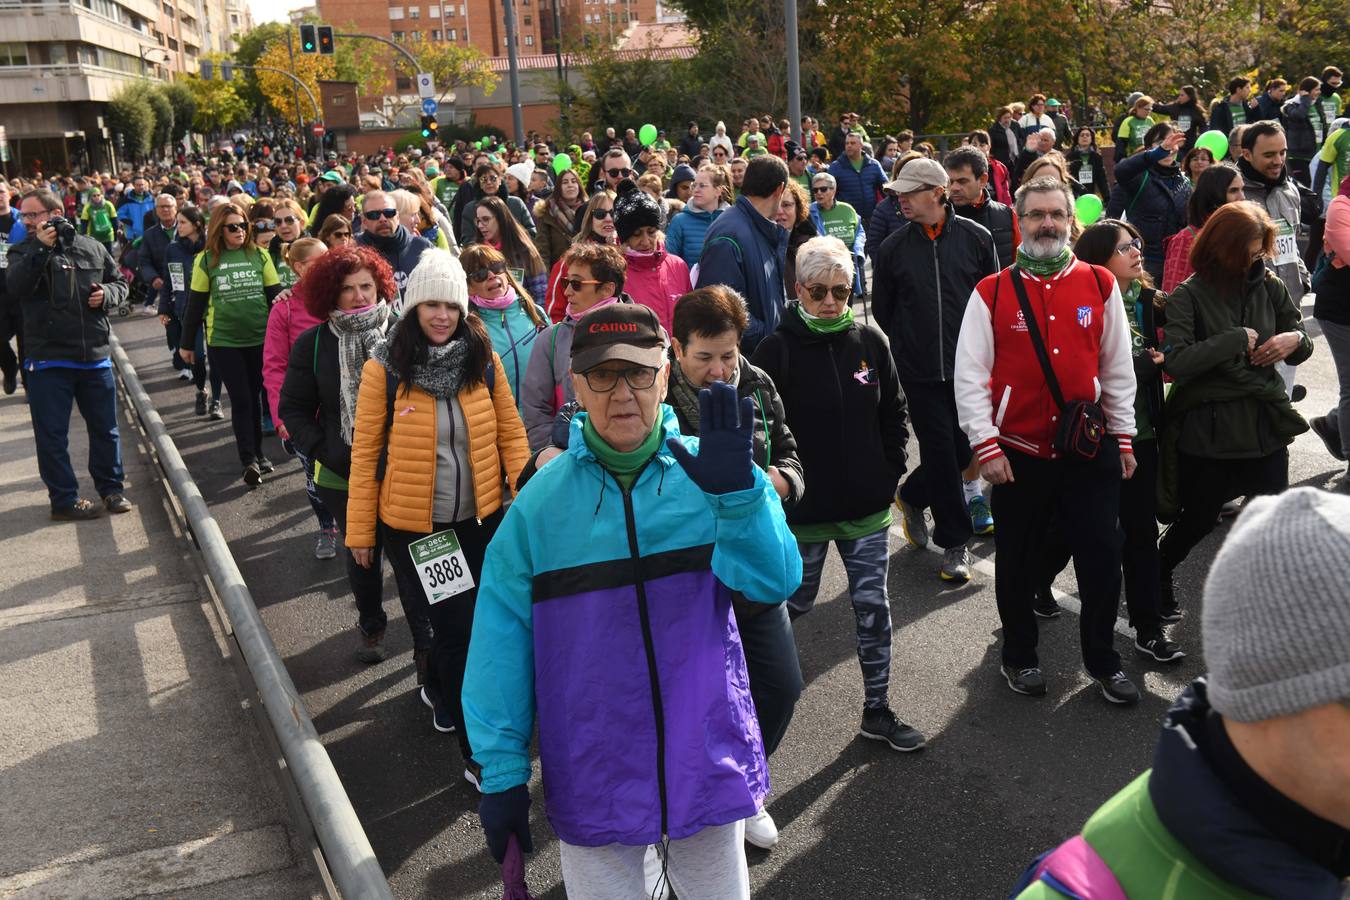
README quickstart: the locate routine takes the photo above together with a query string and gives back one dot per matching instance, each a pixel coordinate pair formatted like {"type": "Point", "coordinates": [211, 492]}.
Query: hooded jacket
{"type": "Point", "coordinates": [842, 400]}
{"type": "Point", "coordinates": [921, 286]}
{"type": "Point", "coordinates": [604, 617]}
{"type": "Point", "coordinates": [513, 333]}
{"type": "Point", "coordinates": [1281, 200]}
{"type": "Point", "coordinates": [402, 250]}
{"type": "Point", "coordinates": [657, 281]}
{"type": "Point", "coordinates": [859, 188]}
{"type": "Point", "coordinates": [748, 253]}
{"type": "Point", "coordinates": [132, 212]}
{"type": "Point", "coordinates": [52, 285]}
{"type": "Point", "coordinates": [1302, 118]}
{"type": "Point", "coordinates": [1186, 829]}
{"type": "Point", "coordinates": [686, 231]}
{"type": "Point", "coordinates": [1154, 198]}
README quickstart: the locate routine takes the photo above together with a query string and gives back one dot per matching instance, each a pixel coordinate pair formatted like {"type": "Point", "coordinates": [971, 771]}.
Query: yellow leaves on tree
{"type": "Point", "coordinates": [279, 90]}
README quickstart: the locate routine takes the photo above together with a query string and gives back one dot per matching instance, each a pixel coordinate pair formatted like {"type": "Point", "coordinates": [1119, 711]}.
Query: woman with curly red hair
{"type": "Point", "coordinates": [349, 290]}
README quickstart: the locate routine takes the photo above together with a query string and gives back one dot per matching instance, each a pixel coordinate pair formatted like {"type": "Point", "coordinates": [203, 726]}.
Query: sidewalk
{"type": "Point", "coordinates": [129, 765]}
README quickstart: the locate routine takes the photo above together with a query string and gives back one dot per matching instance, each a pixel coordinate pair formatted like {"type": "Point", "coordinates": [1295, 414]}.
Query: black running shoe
{"type": "Point", "coordinates": [882, 725]}
{"type": "Point", "coordinates": [1027, 681]}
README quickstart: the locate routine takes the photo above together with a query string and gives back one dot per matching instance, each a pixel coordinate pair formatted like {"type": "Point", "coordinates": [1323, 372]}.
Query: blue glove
{"type": "Point", "coordinates": [725, 461]}
{"type": "Point", "coordinates": [503, 815]}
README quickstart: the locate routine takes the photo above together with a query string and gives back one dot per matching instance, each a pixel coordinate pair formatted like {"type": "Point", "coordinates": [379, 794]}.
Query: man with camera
{"type": "Point", "coordinates": [65, 284]}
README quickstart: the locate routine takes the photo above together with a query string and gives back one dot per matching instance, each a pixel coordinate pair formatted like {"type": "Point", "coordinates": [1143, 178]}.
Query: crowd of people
{"type": "Point", "coordinates": [605, 407]}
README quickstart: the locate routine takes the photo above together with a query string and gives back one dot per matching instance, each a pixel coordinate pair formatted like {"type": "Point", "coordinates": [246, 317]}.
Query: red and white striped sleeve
{"type": "Point", "coordinates": [970, 379]}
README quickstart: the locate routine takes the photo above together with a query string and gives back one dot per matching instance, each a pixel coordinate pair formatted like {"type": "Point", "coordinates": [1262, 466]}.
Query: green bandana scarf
{"type": "Point", "coordinates": [1044, 267]}
{"type": "Point", "coordinates": [826, 326]}
{"type": "Point", "coordinates": [623, 466]}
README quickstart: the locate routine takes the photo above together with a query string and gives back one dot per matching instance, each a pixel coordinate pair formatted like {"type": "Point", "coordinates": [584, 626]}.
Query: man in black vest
{"type": "Point", "coordinates": [968, 189]}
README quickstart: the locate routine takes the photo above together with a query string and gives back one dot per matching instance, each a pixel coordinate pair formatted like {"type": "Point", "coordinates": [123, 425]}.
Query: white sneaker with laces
{"type": "Point", "coordinates": [655, 884]}
{"type": "Point", "coordinates": [760, 830]}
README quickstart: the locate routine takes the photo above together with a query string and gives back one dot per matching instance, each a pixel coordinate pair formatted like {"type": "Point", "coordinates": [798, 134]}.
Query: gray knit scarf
{"type": "Point", "coordinates": [357, 334]}
{"type": "Point", "coordinates": [442, 375]}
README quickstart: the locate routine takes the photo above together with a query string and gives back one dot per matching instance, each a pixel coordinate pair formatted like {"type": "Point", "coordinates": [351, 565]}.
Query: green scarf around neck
{"type": "Point", "coordinates": [623, 466]}
{"type": "Point", "coordinates": [826, 326]}
{"type": "Point", "coordinates": [1044, 267]}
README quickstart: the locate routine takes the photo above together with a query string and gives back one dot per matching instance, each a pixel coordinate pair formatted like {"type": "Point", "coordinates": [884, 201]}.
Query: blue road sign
{"type": "Point", "coordinates": [429, 106]}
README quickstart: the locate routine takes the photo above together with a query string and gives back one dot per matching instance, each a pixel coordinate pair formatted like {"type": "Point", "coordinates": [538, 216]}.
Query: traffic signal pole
{"type": "Point", "coordinates": [300, 116]}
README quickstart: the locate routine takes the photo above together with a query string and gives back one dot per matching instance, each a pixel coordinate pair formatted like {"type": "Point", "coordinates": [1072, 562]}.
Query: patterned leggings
{"type": "Point", "coordinates": [865, 561]}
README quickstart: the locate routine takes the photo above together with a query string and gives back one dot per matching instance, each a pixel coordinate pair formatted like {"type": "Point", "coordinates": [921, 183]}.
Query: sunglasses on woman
{"type": "Point", "coordinates": [840, 292]}
{"type": "Point", "coordinates": [373, 215]}
{"type": "Point", "coordinates": [235, 227]}
{"type": "Point", "coordinates": [602, 213]}
{"type": "Point", "coordinates": [576, 284]}
{"type": "Point", "coordinates": [490, 269]}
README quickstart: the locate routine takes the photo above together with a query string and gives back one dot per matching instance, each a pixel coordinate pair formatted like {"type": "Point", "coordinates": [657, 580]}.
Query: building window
{"type": "Point", "coordinates": [173, 45]}
{"type": "Point", "coordinates": [339, 100]}
{"type": "Point", "coordinates": [435, 34]}
{"type": "Point", "coordinates": [234, 19]}
{"type": "Point", "coordinates": [451, 34]}
{"type": "Point", "coordinates": [414, 12]}
{"type": "Point", "coordinates": [403, 83]}
{"type": "Point", "coordinates": [168, 10]}
{"type": "Point", "coordinates": [13, 54]}
{"type": "Point", "coordinates": [529, 21]}
{"type": "Point", "coordinates": [529, 40]}
{"type": "Point", "coordinates": [395, 12]}
{"type": "Point", "coordinates": [397, 35]}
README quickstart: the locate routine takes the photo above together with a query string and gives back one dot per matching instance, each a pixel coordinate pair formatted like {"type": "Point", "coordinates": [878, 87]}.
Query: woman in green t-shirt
{"type": "Point", "coordinates": [232, 287]}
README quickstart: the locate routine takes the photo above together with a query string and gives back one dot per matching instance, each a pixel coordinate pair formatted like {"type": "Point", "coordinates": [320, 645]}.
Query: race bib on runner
{"type": "Point", "coordinates": [4, 255]}
{"type": "Point", "coordinates": [1183, 123]}
{"type": "Point", "coordinates": [518, 275]}
{"type": "Point", "coordinates": [1085, 175]}
{"type": "Point", "coordinates": [1286, 243]}
{"type": "Point", "coordinates": [176, 277]}
{"type": "Point", "coordinates": [441, 566]}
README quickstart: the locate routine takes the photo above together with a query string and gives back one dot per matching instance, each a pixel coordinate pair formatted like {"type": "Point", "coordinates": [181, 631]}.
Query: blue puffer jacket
{"type": "Point", "coordinates": [132, 213]}
{"type": "Point", "coordinates": [684, 235]}
{"type": "Point", "coordinates": [605, 615]}
{"type": "Point", "coordinates": [748, 253]}
{"type": "Point", "coordinates": [512, 332]}
{"type": "Point", "coordinates": [859, 188]}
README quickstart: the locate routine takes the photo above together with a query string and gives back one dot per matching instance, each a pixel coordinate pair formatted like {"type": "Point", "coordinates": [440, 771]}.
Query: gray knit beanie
{"type": "Point", "coordinates": [1276, 620]}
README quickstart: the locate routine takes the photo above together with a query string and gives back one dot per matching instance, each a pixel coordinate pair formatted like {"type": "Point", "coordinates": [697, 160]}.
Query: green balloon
{"type": "Point", "coordinates": [561, 163]}
{"type": "Point", "coordinates": [1089, 209]}
{"type": "Point", "coordinates": [647, 134]}
{"type": "Point", "coordinates": [1216, 142]}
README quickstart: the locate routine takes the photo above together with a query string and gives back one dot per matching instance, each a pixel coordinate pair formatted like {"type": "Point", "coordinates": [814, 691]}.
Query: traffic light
{"type": "Point", "coordinates": [206, 70]}
{"type": "Point", "coordinates": [226, 70]}
{"type": "Point", "coordinates": [309, 43]}
{"type": "Point", "coordinates": [326, 40]}
{"type": "Point", "coordinates": [429, 127]}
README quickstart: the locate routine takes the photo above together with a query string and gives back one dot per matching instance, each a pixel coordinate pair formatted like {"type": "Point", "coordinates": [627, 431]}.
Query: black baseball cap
{"type": "Point", "coordinates": [625, 331]}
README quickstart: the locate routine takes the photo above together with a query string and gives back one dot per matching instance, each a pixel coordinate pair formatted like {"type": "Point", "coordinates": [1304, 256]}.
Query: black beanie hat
{"type": "Point", "coordinates": [634, 208]}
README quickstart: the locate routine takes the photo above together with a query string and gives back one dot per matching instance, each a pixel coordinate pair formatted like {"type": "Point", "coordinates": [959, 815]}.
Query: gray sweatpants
{"type": "Point", "coordinates": [1338, 341]}
{"type": "Point", "coordinates": [709, 865]}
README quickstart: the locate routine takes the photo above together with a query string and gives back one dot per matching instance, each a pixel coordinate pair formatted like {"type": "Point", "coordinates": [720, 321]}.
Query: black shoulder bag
{"type": "Point", "coordinates": [1082, 424]}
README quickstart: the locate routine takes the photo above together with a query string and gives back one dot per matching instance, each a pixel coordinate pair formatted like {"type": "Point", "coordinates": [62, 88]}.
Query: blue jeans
{"type": "Point", "coordinates": [51, 394]}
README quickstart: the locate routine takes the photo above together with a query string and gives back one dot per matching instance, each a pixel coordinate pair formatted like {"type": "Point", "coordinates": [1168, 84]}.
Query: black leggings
{"type": "Point", "coordinates": [241, 371]}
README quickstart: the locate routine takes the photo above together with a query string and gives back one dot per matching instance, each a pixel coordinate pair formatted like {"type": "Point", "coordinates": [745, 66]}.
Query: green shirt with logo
{"type": "Point", "coordinates": [100, 219]}
{"type": "Point", "coordinates": [841, 221]}
{"type": "Point", "coordinates": [444, 189]}
{"type": "Point", "coordinates": [1132, 132]}
{"type": "Point", "coordinates": [236, 315]}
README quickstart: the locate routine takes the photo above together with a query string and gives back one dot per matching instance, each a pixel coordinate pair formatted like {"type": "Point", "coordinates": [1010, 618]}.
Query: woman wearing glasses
{"type": "Point", "coordinates": [496, 228]}
{"type": "Point", "coordinates": [232, 287]}
{"type": "Point", "coordinates": [851, 433]}
{"type": "Point", "coordinates": [837, 219]}
{"type": "Point", "coordinates": [594, 278]}
{"type": "Point", "coordinates": [488, 183]}
{"type": "Point", "coordinates": [1117, 247]}
{"type": "Point", "coordinates": [434, 406]}
{"type": "Point", "coordinates": [506, 308]}
{"type": "Point", "coordinates": [597, 227]}
{"type": "Point", "coordinates": [289, 221]}
{"type": "Point", "coordinates": [336, 231]}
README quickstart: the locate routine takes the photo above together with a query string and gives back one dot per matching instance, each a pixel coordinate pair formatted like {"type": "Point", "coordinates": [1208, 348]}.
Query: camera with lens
{"type": "Point", "coordinates": [65, 232]}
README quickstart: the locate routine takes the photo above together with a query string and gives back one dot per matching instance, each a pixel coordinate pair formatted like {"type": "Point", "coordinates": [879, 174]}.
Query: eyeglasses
{"type": "Point", "coordinates": [33, 216]}
{"type": "Point", "coordinates": [341, 234]}
{"type": "Point", "coordinates": [1036, 215]}
{"type": "Point", "coordinates": [482, 274]}
{"type": "Point", "coordinates": [840, 292]}
{"type": "Point", "coordinates": [288, 220]}
{"type": "Point", "coordinates": [821, 189]}
{"type": "Point", "coordinates": [618, 173]}
{"type": "Point", "coordinates": [600, 213]}
{"type": "Point", "coordinates": [576, 284]}
{"type": "Point", "coordinates": [602, 381]}
{"type": "Point", "coordinates": [235, 227]}
{"type": "Point", "coordinates": [1126, 247]}
{"type": "Point", "coordinates": [373, 215]}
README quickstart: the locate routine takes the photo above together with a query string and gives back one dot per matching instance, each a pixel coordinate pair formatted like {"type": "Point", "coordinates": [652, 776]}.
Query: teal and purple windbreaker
{"type": "Point", "coordinates": [608, 615]}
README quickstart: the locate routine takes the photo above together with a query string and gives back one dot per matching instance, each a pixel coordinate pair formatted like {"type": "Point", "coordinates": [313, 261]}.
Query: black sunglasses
{"type": "Point", "coordinates": [618, 173]}
{"type": "Point", "coordinates": [235, 227]}
{"type": "Point", "coordinates": [821, 189]}
{"type": "Point", "coordinates": [373, 215]}
{"type": "Point", "coordinates": [482, 274]}
{"type": "Point", "coordinates": [602, 213]}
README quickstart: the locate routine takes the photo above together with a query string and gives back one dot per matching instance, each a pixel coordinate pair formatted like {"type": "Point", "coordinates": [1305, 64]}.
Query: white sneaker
{"type": "Point", "coordinates": [656, 887]}
{"type": "Point", "coordinates": [760, 830]}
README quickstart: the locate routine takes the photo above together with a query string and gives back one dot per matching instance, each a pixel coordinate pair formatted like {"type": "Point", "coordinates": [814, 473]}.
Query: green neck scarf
{"type": "Point", "coordinates": [826, 326]}
{"type": "Point", "coordinates": [1044, 267]}
{"type": "Point", "coordinates": [1131, 295]}
{"type": "Point", "coordinates": [623, 466]}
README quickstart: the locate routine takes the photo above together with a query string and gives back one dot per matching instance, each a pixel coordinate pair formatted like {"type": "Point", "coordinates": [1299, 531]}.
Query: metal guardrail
{"type": "Point", "coordinates": [345, 847]}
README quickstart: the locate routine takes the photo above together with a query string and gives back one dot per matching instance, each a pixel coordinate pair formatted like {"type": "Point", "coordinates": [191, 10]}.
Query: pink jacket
{"type": "Point", "coordinates": [656, 282]}
{"type": "Point", "coordinates": [1337, 238]}
{"type": "Point", "coordinates": [287, 321]}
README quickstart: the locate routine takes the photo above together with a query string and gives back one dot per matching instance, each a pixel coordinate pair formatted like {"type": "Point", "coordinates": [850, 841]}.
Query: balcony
{"type": "Point", "coordinates": [73, 83]}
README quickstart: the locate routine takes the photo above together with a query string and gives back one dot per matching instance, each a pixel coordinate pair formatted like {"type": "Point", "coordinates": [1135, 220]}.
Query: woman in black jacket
{"type": "Point", "coordinates": [1085, 163]}
{"type": "Point", "coordinates": [350, 288]}
{"type": "Point", "coordinates": [1152, 192]}
{"type": "Point", "coordinates": [843, 402]}
{"type": "Point", "coordinates": [1005, 138]}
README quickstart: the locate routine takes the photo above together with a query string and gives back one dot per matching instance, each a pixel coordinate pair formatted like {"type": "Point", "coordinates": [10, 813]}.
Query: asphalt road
{"type": "Point", "coordinates": [1003, 777]}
